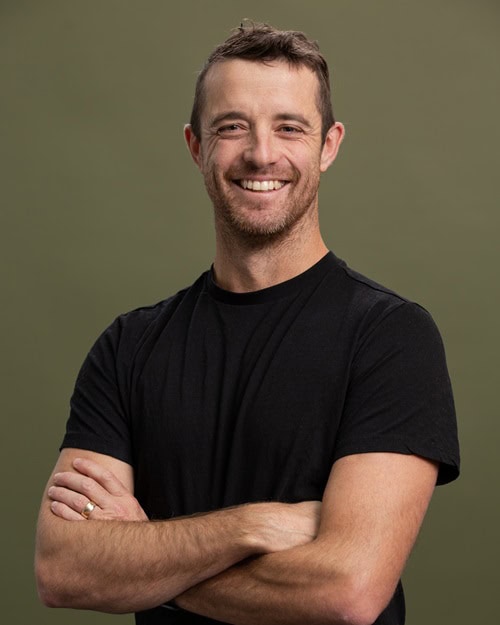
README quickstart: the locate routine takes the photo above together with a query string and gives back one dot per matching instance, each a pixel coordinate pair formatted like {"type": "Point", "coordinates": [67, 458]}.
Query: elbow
{"type": "Point", "coordinates": [360, 614]}
{"type": "Point", "coordinates": [56, 586]}
{"type": "Point", "coordinates": [351, 613]}
{"type": "Point", "coordinates": [46, 585]}
{"type": "Point", "coordinates": [48, 597]}
{"type": "Point", "coordinates": [61, 586]}
{"type": "Point", "coordinates": [352, 604]}
{"type": "Point", "coordinates": [53, 575]}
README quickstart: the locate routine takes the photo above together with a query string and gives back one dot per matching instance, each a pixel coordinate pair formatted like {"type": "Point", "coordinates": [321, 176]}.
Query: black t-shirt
{"type": "Point", "coordinates": [218, 398]}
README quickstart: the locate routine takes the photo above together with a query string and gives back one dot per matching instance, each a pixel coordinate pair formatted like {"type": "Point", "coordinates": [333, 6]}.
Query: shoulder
{"type": "Point", "coordinates": [369, 304]}
{"type": "Point", "coordinates": [127, 332]}
{"type": "Point", "coordinates": [367, 292]}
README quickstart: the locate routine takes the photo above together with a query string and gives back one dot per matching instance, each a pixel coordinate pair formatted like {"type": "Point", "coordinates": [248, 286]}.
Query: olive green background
{"type": "Point", "coordinates": [102, 211]}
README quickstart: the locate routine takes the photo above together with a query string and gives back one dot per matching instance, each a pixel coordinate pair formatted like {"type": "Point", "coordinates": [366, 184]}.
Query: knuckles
{"type": "Point", "coordinates": [87, 484]}
{"type": "Point", "coordinates": [107, 476]}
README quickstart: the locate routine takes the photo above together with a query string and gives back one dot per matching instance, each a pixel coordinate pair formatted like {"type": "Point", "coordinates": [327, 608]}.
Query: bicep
{"type": "Point", "coordinates": [373, 507]}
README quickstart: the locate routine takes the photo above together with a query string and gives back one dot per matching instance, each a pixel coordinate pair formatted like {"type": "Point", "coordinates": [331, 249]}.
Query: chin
{"type": "Point", "coordinates": [258, 231]}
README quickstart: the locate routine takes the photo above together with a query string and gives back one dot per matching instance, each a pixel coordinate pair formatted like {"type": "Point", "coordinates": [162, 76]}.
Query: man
{"type": "Point", "coordinates": [279, 379]}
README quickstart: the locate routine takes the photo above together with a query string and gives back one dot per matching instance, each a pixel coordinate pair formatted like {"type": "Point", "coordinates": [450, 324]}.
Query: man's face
{"type": "Point", "coordinates": [261, 152]}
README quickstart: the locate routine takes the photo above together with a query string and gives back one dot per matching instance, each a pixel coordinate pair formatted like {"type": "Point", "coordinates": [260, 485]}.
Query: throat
{"type": "Point", "coordinates": [246, 269]}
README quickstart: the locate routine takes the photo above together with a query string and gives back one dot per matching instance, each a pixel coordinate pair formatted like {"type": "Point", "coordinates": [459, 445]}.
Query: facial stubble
{"type": "Point", "coordinates": [235, 219]}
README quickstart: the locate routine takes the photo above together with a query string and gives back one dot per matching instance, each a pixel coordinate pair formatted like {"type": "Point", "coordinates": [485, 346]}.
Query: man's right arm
{"type": "Point", "coordinates": [119, 566]}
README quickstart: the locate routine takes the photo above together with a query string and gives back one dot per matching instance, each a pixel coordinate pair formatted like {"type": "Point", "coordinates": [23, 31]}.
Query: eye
{"type": "Point", "coordinates": [230, 129]}
{"type": "Point", "coordinates": [291, 130]}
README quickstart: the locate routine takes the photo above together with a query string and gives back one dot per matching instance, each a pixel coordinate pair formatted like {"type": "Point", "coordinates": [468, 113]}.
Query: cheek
{"type": "Point", "coordinates": [215, 159]}
{"type": "Point", "coordinates": [307, 168]}
{"type": "Point", "coordinates": [304, 158]}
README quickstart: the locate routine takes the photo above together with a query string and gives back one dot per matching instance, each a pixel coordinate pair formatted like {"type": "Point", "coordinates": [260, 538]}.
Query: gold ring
{"type": "Point", "coordinates": [87, 510]}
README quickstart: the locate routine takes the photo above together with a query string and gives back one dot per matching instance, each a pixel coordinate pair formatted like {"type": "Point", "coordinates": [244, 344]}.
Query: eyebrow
{"type": "Point", "coordinates": [231, 115]}
{"type": "Point", "coordinates": [226, 116]}
{"type": "Point", "coordinates": [293, 117]}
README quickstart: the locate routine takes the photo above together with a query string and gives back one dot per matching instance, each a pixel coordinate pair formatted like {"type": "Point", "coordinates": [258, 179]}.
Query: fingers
{"type": "Point", "coordinates": [106, 478]}
{"type": "Point", "coordinates": [72, 491]}
{"type": "Point", "coordinates": [65, 512]}
{"type": "Point", "coordinates": [79, 490]}
{"type": "Point", "coordinates": [67, 504]}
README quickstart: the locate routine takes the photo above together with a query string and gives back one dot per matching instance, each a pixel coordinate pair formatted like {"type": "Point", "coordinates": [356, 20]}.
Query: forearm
{"type": "Point", "coordinates": [118, 561]}
{"type": "Point", "coordinates": [372, 509]}
{"type": "Point", "coordinates": [296, 586]}
{"type": "Point", "coordinates": [117, 566]}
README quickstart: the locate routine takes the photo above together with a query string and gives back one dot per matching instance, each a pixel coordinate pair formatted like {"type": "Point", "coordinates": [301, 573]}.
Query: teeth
{"type": "Point", "coordinates": [262, 185]}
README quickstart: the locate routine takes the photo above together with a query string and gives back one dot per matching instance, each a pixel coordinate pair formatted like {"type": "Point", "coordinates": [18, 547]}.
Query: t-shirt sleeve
{"type": "Point", "coordinates": [399, 397]}
{"type": "Point", "coordinates": [98, 419]}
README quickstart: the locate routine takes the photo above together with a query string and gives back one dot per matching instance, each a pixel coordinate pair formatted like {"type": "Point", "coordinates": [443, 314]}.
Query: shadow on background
{"type": "Point", "coordinates": [102, 211]}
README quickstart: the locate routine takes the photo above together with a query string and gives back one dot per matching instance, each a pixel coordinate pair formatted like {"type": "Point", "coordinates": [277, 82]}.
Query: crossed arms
{"type": "Point", "coordinates": [267, 562]}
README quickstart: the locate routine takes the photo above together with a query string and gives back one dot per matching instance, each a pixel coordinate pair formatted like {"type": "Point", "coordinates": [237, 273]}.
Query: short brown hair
{"type": "Point", "coordinates": [262, 42]}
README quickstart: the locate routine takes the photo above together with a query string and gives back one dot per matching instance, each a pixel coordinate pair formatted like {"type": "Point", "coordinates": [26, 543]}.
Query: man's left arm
{"type": "Point", "coordinates": [373, 507]}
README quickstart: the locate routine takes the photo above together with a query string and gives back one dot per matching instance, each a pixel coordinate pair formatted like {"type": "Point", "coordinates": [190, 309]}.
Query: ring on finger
{"type": "Point", "coordinates": [87, 509]}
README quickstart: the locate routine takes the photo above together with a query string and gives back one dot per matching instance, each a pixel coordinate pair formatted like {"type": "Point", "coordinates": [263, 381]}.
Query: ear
{"type": "Point", "coordinates": [193, 144]}
{"type": "Point", "coordinates": [331, 146]}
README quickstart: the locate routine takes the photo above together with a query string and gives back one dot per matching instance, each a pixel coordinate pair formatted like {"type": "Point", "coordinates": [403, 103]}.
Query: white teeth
{"type": "Point", "coordinates": [262, 185]}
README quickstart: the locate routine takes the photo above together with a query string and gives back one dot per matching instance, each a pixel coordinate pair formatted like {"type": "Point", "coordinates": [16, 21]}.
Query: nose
{"type": "Point", "coordinates": [262, 149]}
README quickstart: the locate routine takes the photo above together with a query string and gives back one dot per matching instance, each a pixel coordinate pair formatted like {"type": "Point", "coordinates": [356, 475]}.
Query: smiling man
{"type": "Point", "coordinates": [262, 446]}
{"type": "Point", "coordinates": [263, 150]}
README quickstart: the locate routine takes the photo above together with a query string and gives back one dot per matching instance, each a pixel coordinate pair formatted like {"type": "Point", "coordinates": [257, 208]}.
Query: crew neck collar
{"type": "Point", "coordinates": [278, 291]}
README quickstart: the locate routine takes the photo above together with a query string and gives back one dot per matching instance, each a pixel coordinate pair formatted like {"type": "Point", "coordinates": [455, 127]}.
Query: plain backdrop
{"type": "Point", "coordinates": [102, 211]}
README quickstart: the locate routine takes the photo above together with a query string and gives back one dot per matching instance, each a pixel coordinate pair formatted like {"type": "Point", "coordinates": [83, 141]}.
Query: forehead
{"type": "Point", "coordinates": [260, 88]}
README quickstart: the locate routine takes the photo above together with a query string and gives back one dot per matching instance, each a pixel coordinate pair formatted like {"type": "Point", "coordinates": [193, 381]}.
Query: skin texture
{"type": "Point", "coordinates": [342, 570]}
{"type": "Point", "coordinates": [246, 133]}
{"type": "Point", "coordinates": [261, 122]}
{"type": "Point", "coordinates": [271, 563]}
{"type": "Point", "coordinates": [372, 510]}
{"type": "Point", "coordinates": [161, 559]}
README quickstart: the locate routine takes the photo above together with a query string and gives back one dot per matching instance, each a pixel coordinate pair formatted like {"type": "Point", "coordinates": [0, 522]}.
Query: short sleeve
{"type": "Point", "coordinates": [399, 397]}
{"type": "Point", "coordinates": [98, 420]}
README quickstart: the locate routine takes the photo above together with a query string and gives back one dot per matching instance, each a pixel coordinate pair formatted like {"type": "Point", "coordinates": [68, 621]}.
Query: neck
{"type": "Point", "coordinates": [242, 266]}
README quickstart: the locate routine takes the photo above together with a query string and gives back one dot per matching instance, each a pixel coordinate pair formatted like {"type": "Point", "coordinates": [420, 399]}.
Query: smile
{"type": "Point", "coordinates": [261, 185]}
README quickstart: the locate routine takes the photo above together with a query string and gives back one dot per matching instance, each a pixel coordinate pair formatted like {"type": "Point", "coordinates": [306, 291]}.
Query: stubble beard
{"type": "Point", "coordinates": [234, 222]}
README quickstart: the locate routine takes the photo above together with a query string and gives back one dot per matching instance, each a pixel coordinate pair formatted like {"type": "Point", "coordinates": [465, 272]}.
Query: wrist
{"type": "Point", "coordinates": [258, 523]}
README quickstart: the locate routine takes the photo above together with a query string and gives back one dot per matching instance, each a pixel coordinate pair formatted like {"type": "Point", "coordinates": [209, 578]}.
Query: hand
{"type": "Point", "coordinates": [71, 491]}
